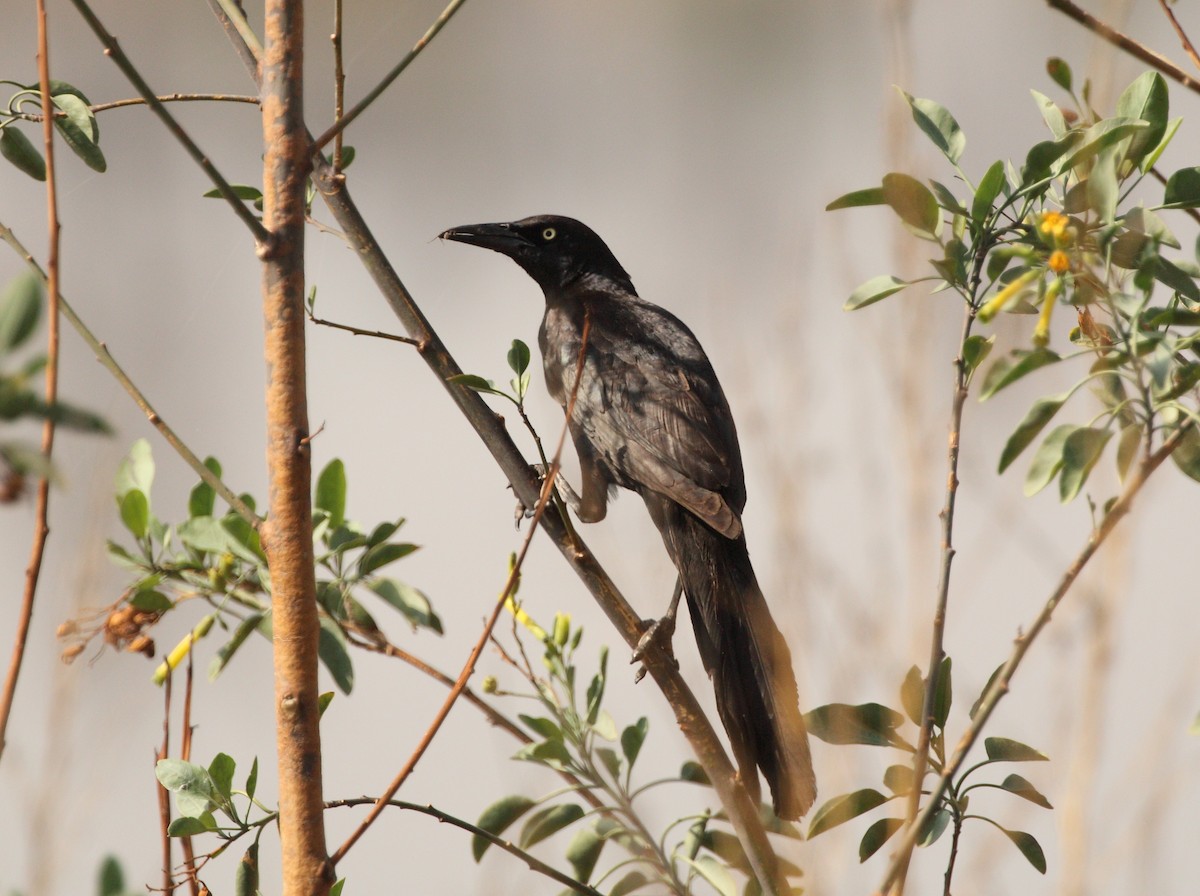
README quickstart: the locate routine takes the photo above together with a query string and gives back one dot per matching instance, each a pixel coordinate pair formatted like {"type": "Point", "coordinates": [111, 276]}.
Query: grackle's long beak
{"type": "Point", "coordinates": [497, 237]}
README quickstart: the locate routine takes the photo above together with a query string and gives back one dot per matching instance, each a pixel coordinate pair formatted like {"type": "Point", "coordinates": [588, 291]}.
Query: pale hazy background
{"type": "Point", "coordinates": [702, 140]}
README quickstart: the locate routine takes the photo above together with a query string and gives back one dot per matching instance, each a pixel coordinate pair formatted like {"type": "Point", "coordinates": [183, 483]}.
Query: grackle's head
{"type": "Point", "coordinates": [555, 251]}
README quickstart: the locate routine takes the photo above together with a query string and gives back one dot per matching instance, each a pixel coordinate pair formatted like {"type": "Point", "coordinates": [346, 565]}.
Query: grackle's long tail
{"type": "Point", "coordinates": [745, 655]}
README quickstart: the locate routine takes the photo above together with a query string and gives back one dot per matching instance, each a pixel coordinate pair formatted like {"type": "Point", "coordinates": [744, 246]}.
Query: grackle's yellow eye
{"type": "Point", "coordinates": [549, 233]}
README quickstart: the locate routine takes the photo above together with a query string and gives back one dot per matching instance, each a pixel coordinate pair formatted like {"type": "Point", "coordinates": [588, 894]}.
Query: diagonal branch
{"type": "Point", "coordinates": [506, 845]}
{"type": "Point", "coordinates": [1126, 43]}
{"type": "Point", "coordinates": [1188, 46]}
{"type": "Point", "coordinates": [114, 52]}
{"type": "Point", "coordinates": [342, 123]}
{"type": "Point", "coordinates": [104, 356]}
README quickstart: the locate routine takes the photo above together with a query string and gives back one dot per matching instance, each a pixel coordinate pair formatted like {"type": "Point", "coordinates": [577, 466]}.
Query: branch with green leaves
{"type": "Point", "coordinates": [1080, 224]}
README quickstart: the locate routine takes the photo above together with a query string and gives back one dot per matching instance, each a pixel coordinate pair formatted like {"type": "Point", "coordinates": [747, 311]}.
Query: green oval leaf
{"type": "Point", "coordinates": [912, 695]}
{"type": "Point", "coordinates": [1081, 451]}
{"type": "Point", "coordinates": [1048, 460]}
{"type": "Point", "coordinates": [1039, 415]}
{"type": "Point", "coordinates": [858, 199]}
{"type": "Point", "coordinates": [518, 357]}
{"type": "Point", "coordinates": [1022, 788]}
{"type": "Point", "coordinates": [1146, 99]}
{"type": "Point", "coordinates": [939, 126]}
{"type": "Point", "coordinates": [943, 695]}
{"type": "Point", "coordinates": [694, 773]}
{"type": "Point", "coordinates": [1006, 371]}
{"type": "Point", "coordinates": [19, 150]}
{"type": "Point", "coordinates": [79, 130]}
{"type": "Point", "coordinates": [496, 818]}
{"type": "Point", "coordinates": [989, 188]}
{"type": "Point", "coordinates": [331, 649]}
{"type": "Point", "coordinates": [877, 835]}
{"type": "Point", "coordinates": [383, 554]}
{"type": "Point", "coordinates": [1029, 847]}
{"type": "Point", "coordinates": [191, 784]}
{"type": "Point", "coordinates": [933, 828]}
{"type": "Point", "coordinates": [914, 203]}
{"type": "Point", "coordinates": [1183, 189]}
{"type": "Point", "coordinates": [632, 739]}
{"type": "Point", "coordinates": [135, 513]}
{"type": "Point", "coordinates": [410, 601]}
{"type": "Point", "coordinates": [715, 873]}
{"type": "Point", "coordinates": [843, 808]}
{"type": "Point", "coordinates": [20, 309]}
{"type": "Point", "coordinates": [330, 494]}
{"type": "Point", "coordinates": [584, 851]}
{"type": "Point", "coordinates": [1006, 750]}
{"type": "Point", "coordinates": [871, 724]}
{"type": "Point", "coordinates": [874, 290]}
{"type": "Point", "coordinates": [898, 779]}
{"type": "Point", "coordinates": [549, 821]}
{"type": "Point", "coordinates": [631, 882]}
{"type": "Point", "coordinates": [1059, 72]}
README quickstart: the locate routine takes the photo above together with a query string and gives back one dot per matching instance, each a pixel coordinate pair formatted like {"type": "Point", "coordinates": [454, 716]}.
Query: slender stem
{"type": "Point", "coordinates": [1188, 47]}
{"type": "Point", "coordinates": [141, 101]}
{"type": "Point", "coordinates": [506, 845]}
{"type": "Point", "coordinates": [1126, 43]}
{"type": "Point", "coordinates": [185, 753]}
{"type": "Point", "coordinates": [241, 36]}
{"type": "Point", "coordinates": [1000, 684]}
{"type": "Point", "coordinates": [510, 584]}
{"type": "Point", "coordinates": [954, 837]}
{"type": "Point", "coordinates": [339, 81]}
{"type": "Point", "coordinates": [378, 334]}
{"type": "Point", "coordinates": [343, 121]}
{"type": "Point", "coordinates": [113, 51]}
{"type": "Point", "coordinates": [287, 531]}
{"type": "Point", "coordinates": [104, 356]}
{"type": "Point", "coordinates": [41, 526]}
{"type": "Point", "coordinates": [936, 649]}
{"type": "Point", "coordinates": [164, 796]}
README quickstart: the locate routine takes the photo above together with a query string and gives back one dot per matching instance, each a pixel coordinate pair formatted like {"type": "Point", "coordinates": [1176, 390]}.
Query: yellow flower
{"type": "Point", "coordinates": [1053, 225]}
{"type": "Point", "coordinates": [1058, 261]}
{"type": "Point", "coordinates": [1041, 332]}
{"type": "Point", "coordinates": [996, 303]}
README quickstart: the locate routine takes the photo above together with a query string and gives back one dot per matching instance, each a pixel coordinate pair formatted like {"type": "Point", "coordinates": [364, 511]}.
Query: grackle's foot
{"type": "Point", "coordinates": [659, 633]}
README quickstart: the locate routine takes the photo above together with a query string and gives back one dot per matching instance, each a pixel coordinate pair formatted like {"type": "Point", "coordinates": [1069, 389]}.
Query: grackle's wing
{"type": "Point", "coordinates": [654, 411]}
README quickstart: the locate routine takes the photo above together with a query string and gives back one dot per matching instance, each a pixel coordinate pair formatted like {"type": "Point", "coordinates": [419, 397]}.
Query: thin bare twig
{"type": "Point", "coordinates": [510, 585]}
{"type": "Point", "coordinates": [141, 101]}
{"type": "Point", "coordinates": [104, 356]}
{"type": "Point", "coordinates": [378, 334]}
{"type": "Point", "coordinates": [1183, 37]}
{"type": "Point", "coordinates": [41, 527]}
{"type": "Point", "coordinates": [1126, 43]}
{"type": "Point", "coordinates": [506, 845]}
{"type": "Point", "coordinates": [1000, 684]}
{"type": "Point", "coordinates": [344, 121]}
{"type": "Point", "coordinates": [114, 52]}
